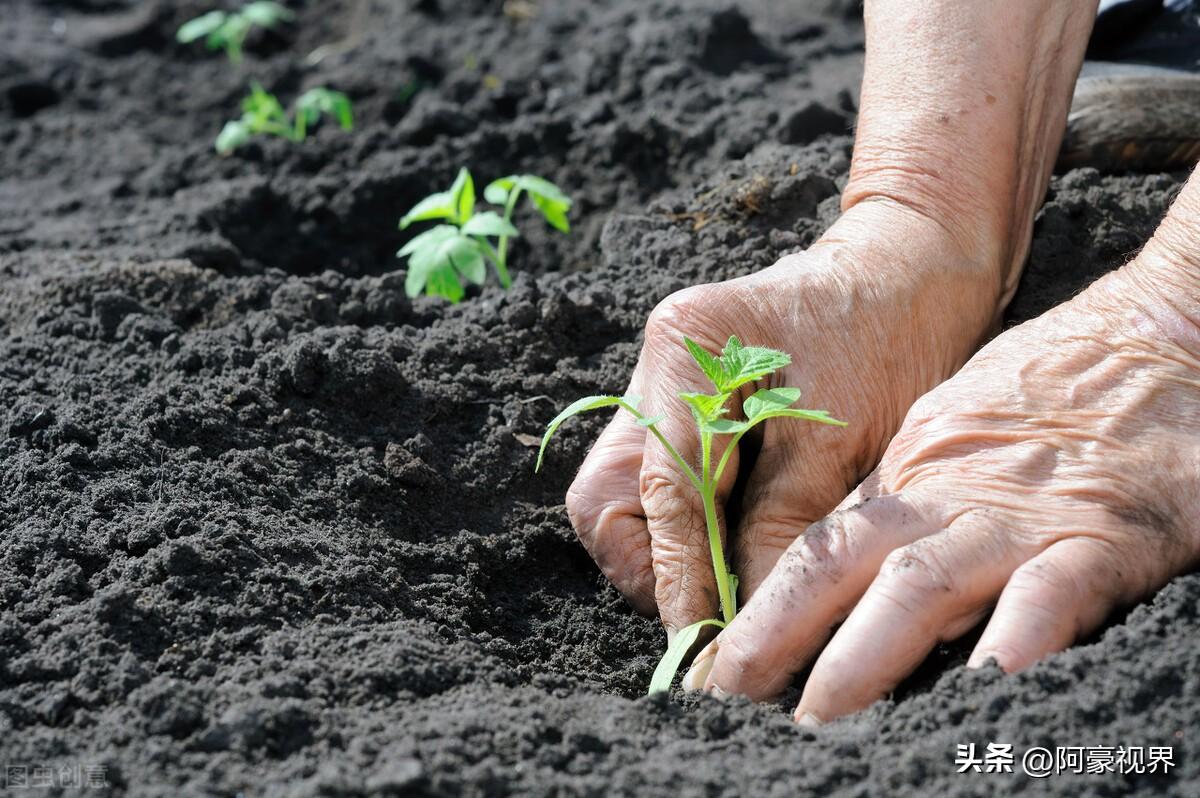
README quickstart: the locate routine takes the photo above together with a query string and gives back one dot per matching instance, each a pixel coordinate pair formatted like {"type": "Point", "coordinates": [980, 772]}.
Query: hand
{"type": "Point", "coordinates": [1054, 478]}
{"type": "Point", "coordinates": [885, 306]}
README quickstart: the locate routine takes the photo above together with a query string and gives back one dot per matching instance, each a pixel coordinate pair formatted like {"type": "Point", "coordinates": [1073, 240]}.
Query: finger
{"type": "Point", "coordinates": [1050, 602]}
{"type": "Point", "coordinates": [812, 588]}
{"type": "Point", "coordinates": [788, 490]}
{"type": "Point", "coordinates": [605, 507]}
{"type": "Point", "coordinates": [932, 590]}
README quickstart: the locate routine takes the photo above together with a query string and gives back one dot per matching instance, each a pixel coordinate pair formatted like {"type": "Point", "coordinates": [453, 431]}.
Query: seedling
{"type": "Point", "coordinates": [263, 114]}
{"type": "Point", "coordinates": [734, 368]}
{"type": "Point", "coordinates": [440, 258]}
{"type": "Point", "coordinates": [223, 30]}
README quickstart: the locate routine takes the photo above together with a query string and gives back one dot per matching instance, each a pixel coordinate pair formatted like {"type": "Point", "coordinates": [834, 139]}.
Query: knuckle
{"type": "Point", "coordinates": [824, 545]}
{"type": "Point", "coordinates": [912, 574]}
{"type": "Point", "coordinates": [686, 312]}
{"type": "Point", "coordinates": [662, 493]}
{"type": "Point", "coordinates": [738, 660]}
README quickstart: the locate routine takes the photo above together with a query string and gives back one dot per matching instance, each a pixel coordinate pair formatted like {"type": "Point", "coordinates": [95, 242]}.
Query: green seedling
{"type": "Point", "coordinates": [223, 30]}
{"type": "Point", "coordinates": [735, 367]}
{"type": "Point", "coordinates": [263, 114]}
{"type": "Point", "coordinates": [459, 248]}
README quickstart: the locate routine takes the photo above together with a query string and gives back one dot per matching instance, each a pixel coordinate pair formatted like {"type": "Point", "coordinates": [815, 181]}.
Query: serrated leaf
{"type": "Point", "coordinates": [266, 13]}
{"type": "Point", "coordinates": [769, 399]}
{"type": "Point", "coordinates": [496, 192]}
{"type": "Point", "coordinates": [709, 363]}
{"type": "Point", "coordinates": [200, 27]}
{"type": "Point", "coordinates": [706, 407]}
{"type": "Point", "coordinates": [489, 223]}
{"type": "Point", "coordinates": [575, 408]}
{"type": "Point", "coordinates": [724, 426]}
{"type": "Point", "coordinates": [233, 135]}
{"type": "Point", "coordinates": [683, 641]}
{"type": "Point", "coordinates": [743, 364]}
{"type": "Point", "coordinates": [435, 206]}
{"type": "Point", "coordinates": [463, 192]}
{"type": "Point", "coordinates": [819, 416]}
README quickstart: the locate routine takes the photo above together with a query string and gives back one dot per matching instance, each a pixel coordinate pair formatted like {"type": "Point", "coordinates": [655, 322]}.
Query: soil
{"type": "Point", "coordinates": [269, 527]}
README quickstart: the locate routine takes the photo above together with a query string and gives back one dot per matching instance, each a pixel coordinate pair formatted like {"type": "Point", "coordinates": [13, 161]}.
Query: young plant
{"type": "Point", "coordinates": [459, 248]}
{"type": "Point", "coordinates": [263, 114]}
{"type": "Point", "coordinates": [735, 367]}
{"type": "Point", "coordinates": [222, 30]}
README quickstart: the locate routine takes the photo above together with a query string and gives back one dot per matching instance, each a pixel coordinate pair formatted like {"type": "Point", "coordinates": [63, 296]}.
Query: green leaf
{"type": "Point", "coordinates": [650, 421]}
{"type": "Point", "coordinates": [769, 399]}
{"type": "Point", "coordinates": [709, 363]}
{"type": "Point", "coordinates": [496, 191]}
{"type": "Point", "coordinates": [315, 102]}
{"type": "Point", "coordinates": [541, 187]}
{"type": "Point", "coordinates": [582, 406]}
{"type": "Point", "coordinates": [266, 13]}
{"type": "Point", "coordinates": [668, 666]}
{"type": "Point", "coordinates": [200, 27]}
{"type": "Point", "coordinates": [706, 407]}
{"type": "Point", "coordinates": [435, 206]}
{"type": "Point", "coordinates": [554, 212]}
{"type": "Point", "coordinates": [724, 426]}
{"type": "Point", "coordinates": [430, 238]}
{"type": "Point", "coordinates": [743, 364]}
{"type": "Point", "coordinates": [819, 416]}
{"type": "Point", "coordinates": [444, 282]}
{"type": "Point", "coordinates": [489, 223]}
{"type": "Point", "coordinates": [233, 135]}
{"type": "Point", "coordinates": [463, 192]}
{"type": "Point", "coordinates": [439, 257]}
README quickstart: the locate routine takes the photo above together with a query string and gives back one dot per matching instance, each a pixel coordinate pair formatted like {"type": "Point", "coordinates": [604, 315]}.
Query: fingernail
{"type": "Point", "coordinates": [717, 692]}
{"type": "Point", "coordinates": [671, 632]}
{"type": "Point", "coordinates": [701, 667]}
{"type": "Point", "coordinates": [808, 720]}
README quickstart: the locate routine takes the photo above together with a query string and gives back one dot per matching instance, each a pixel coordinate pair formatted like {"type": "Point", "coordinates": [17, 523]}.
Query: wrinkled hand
{"type": "Point", "coordinates": [884, 307]}
{"type": "Point", "coordinates": [1055, 477]}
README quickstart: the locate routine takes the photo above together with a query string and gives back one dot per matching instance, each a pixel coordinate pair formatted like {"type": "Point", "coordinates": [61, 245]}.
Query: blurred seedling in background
{"type": "Point", "coordinates": [263, 114]}
{"type": "Point", "coordinates": [224, 30]}
{"type": "Point", "coordinates": [459, 248]}
{"type": "Point", "coordinates": [735, 367]}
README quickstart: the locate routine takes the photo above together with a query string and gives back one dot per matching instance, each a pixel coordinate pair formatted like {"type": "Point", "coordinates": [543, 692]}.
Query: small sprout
{"type": "Point", "coordinates": [735, 367]}
{"type": "Point", "coordinates": [440, 258]}
{"type": "Point", "coordinates": [262, 113]}
{"type": "Point", "coordinates": [222, 30]}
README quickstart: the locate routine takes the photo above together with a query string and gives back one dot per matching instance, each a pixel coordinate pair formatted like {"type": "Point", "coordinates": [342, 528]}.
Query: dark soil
{"type": "Point", "coordinates": [269, 527]}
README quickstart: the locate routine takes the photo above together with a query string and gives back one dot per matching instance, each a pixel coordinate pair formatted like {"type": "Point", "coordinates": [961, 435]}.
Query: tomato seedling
{"type": "Point", "coordinates": [459, 248]}
{"type": "Point", "coordinates": [263, 114]}
{"type": "Point", "coordinates": [223, 30]}
{"type": "Point", "coordinates": [735, 367]}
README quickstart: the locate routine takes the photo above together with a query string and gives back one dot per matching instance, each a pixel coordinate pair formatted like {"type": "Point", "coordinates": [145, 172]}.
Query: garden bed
{"type": "Point", "coordinates": [268, 526]}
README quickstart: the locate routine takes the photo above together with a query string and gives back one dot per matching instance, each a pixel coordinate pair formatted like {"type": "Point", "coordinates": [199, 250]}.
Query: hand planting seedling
{"type": "Point", "coordinates": [222, 30]}
{"type": "Point", "coordinates": [262, 113]}
{"type": "Point", "coordinates": [736, 366]}
{"type": "Point", "coordinates": [440, 258]}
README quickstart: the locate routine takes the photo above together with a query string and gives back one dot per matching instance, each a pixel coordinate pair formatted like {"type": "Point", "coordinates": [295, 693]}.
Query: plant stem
{"type": "Point", "coordinates": [502, 248]}
{"type": "Point", "coordinates": [717, 551]}
{"type": "Point", "coordinates": [709, 493]}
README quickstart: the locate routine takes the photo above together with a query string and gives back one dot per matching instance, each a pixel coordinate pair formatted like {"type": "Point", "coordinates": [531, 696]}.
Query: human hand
{"type": "Point", "coordinates": [1054, 478]}
{"type": "Point", "coordinates": [885, 306]}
